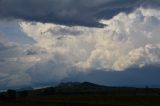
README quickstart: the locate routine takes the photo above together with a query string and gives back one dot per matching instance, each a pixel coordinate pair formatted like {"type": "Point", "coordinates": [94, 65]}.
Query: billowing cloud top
{"type": "Point", "coordinates": [44, 41]}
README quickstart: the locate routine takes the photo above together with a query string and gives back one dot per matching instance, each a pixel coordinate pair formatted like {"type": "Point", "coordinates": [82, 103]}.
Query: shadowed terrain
{"type": "Point", "coordinates": [82, 94]}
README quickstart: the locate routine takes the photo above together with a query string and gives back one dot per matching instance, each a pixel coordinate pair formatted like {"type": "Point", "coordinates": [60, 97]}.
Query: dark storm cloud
{"type": "Point", "coordinates": [66, 12]}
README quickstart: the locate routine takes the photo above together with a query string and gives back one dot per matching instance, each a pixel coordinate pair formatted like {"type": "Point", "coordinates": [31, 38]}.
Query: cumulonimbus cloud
{"type": "Point", "coordinates": [128, 40]}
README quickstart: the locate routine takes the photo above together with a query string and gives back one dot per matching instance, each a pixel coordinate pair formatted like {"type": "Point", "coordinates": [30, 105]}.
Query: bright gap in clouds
{"type": "Point", "coordinates": [128, 40]}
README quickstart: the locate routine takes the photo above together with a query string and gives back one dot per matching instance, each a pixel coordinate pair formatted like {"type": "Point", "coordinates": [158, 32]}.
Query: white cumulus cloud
{"type": "Point", "coordinates": [128, 40]}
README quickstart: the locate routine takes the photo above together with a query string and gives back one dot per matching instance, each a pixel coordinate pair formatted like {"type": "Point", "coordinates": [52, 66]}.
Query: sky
{"type": "Point", "coordinates": [109, 42]}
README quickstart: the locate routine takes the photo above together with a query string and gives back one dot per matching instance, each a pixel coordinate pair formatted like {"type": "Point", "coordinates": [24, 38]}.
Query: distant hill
{"type": "Point", "coordinates": [86, 88]}
{"type": "Point", "coordinates": [82, 94]}
{"type": "Point", "coordinates": [25, 89]}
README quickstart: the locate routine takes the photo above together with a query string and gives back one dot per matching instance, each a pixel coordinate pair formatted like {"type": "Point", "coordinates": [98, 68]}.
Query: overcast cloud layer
{"type": "Point", "coordinates": [69, 12]}
{"type": "Point", "coordinates": [34, 53]}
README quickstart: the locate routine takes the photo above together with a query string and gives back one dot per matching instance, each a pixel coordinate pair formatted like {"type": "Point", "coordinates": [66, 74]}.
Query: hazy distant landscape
{"type": "Point", "coordinates": [82, 94]}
